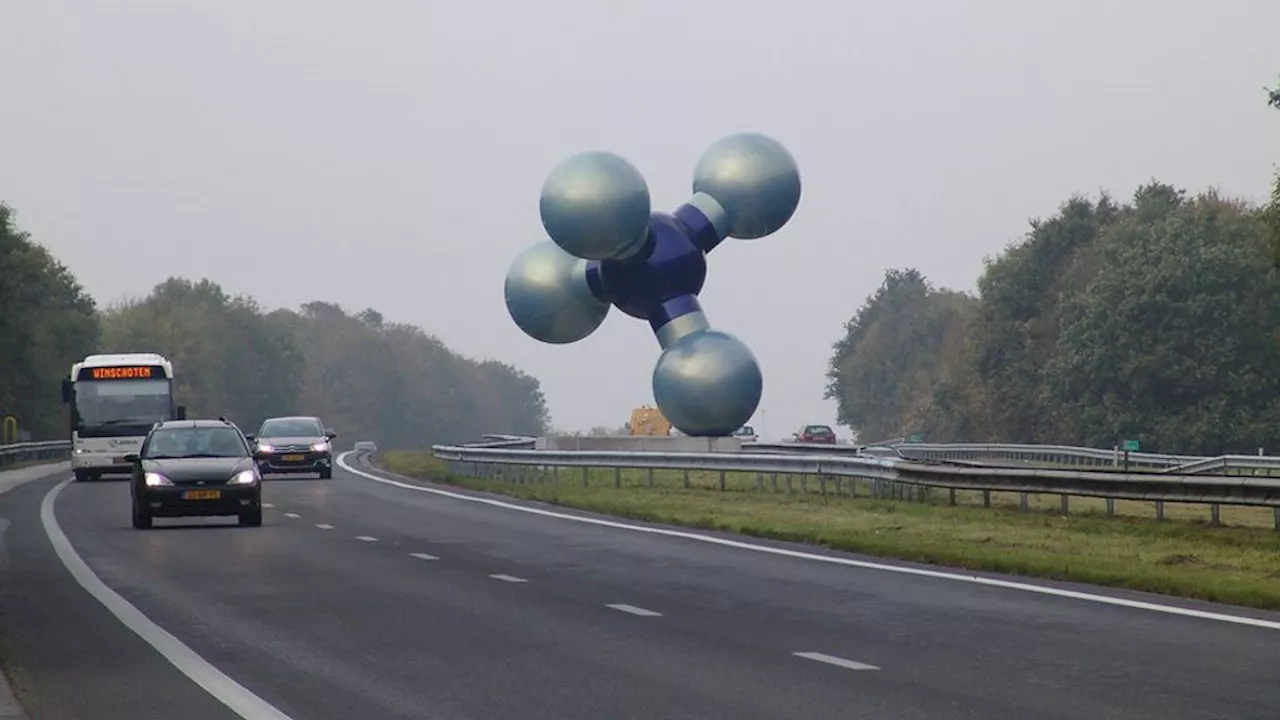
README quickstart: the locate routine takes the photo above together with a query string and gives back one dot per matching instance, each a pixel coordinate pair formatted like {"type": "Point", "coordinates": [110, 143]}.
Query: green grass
{"type": "Point", "coordinates": [1183, 556]}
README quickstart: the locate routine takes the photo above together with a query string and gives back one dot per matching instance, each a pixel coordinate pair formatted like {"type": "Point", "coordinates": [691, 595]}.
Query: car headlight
{"type": "Point", "coordinates": [321, 446]}
{"type": "Point", "coordinates": [244, 477]}
{"type": "Point", "coordinates": [264, 447]}
{"type": "Point", "coordinates": [156, 480]}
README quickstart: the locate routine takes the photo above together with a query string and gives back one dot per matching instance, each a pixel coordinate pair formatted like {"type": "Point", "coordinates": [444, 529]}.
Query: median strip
{"type": "Point", "coordinates": [1187, 558]}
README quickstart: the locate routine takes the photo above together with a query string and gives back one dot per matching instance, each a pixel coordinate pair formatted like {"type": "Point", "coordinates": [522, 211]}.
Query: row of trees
{"type": "Point", "coordinates": [1156, 320]}
{"type": "Point", "coordinates": [365, 377]}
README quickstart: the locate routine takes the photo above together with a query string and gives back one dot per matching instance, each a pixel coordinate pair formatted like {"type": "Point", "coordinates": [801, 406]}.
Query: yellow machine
{"type": "Point", "coordinates": [647, 420]}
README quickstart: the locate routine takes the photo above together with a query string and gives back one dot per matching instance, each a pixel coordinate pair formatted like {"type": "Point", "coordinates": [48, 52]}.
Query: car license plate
{"type": "Point", "coordinates": [202, 495]}
{"type": "Point", "coordinates": [292, 458]}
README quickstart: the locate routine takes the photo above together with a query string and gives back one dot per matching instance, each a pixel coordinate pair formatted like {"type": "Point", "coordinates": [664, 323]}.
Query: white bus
{"type": "Point", "coordinates": [114, 401]}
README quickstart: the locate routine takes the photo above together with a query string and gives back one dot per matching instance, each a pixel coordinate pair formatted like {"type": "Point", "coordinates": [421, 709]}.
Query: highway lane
{"type": "Point", "coordinates": [360, 599]}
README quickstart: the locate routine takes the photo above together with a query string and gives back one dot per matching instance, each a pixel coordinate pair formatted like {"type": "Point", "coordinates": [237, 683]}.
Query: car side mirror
{"type": "Point", "coordinates": [181, 413]}
{"type": "Point", "coordinates": [132, 458]}
{"type": "Point", "coordinates": [329, 433]}
{"type": "Point", "coordinates": [251, 438]}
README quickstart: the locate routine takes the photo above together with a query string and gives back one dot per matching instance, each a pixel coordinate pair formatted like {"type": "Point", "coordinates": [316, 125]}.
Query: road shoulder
{"type": "Point", "coordinates": [10, 708]}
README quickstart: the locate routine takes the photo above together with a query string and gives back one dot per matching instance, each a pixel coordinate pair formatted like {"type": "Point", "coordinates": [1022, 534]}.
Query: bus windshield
{"type": "Point", "coordinates": [102, 404]}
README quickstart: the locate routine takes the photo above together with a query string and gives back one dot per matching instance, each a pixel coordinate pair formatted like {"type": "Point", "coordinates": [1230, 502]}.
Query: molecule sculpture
{"type": "Point", "coordinates": [608, 248]}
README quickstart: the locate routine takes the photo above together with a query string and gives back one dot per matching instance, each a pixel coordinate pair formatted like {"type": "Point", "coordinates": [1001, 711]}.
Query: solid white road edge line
{"type": "Point", "coordinates": [508, 578]}
{"type": "Point", "coordinates": [227, 691]}
{"type": "Point", "coordinates": [634, 610]}
{"type": "Point", "coordinates": [847, 562]}
{"type": "Point", "coordinates": [837, 661]}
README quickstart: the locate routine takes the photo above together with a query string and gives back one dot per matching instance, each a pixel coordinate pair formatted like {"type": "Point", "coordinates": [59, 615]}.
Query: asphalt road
{"type": "Point", "coordinates": [358, 599]}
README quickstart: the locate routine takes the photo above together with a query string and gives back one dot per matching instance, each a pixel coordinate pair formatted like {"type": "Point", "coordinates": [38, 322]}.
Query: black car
{"type": "Point", "coordinates": [195, 468]}
{"type": "Point", "coordinates": [299, 444]}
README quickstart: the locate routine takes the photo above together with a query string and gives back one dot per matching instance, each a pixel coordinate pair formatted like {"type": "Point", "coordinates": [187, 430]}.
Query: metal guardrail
{"type": "Point", "coordinates": [34, 451]}
{"type": "Point", "coordinates": [888, 476]}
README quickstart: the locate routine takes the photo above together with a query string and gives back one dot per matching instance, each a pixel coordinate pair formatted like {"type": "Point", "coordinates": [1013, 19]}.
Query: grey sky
{"type": "Point", "coordinates": [389, 154]}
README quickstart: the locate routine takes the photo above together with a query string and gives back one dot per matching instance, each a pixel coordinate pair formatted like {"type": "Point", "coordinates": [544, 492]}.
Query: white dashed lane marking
{"type": "Point", "coordinates": [322, 526]}
{"type": "Point", "coordinates": [508, 578]}
{"type": "Point", "coordinates": [634, 610]}
{"type": "Point", "coordinates": [837, 661]}
{"type": "Point", "coordinates": [423, 556]}
{"type": "Point", "coordinates": [267, 505]}
{"type": "Point", "coordinates": [292, 515]}
{"type": "Point", "coordinates": [366, 538]}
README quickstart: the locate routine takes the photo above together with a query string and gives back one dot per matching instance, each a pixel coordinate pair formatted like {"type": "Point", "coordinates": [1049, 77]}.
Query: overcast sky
{"type": "Point", "coordinates": [389, 154]}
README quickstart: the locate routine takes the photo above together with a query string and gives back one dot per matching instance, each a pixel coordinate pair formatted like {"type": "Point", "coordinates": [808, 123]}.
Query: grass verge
{"type": "Point", "coordinates": [1180, 557]}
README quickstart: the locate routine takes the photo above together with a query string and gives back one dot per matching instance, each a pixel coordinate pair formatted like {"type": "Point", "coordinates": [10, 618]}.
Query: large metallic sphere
{"type": "Point", "coordinates": [548, 297]}
{"type": "Point", "coordinates": [596, 206]}
{"type": "Point", "coordinates": [708, 383]}
{"type": "Point", "coordinates": [754, 178]}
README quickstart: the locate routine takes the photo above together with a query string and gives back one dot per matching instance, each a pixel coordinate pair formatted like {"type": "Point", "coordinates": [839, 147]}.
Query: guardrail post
{"type": "Point", "coordinates": [1275, 512]}
{"type": "Point", "coordinates": [951, 496]}
{"type": "Point", "coordinates": [804, 484]}
{"type": "Point", "coordinates": [721, 480]}
{"type": "Point", "coordinates": [650, 477]}
{"type": "Point", "coordinates": [773, 480]}
{"type": "Point", "coordinates": [822, 484]}
{"type": "Point", "coordinates": [617, 477]}
{"type": "Point", "coordinates": [1111, 506]}
{"type": "Point", "coordinates": [585, 476]}
{"type": "Point", "coordinates": [1215, 514]}
{"type": "Point", "coordinates": [1159, 510]}
{"type": "Point", "coordinates": [1066, 505]}
{"type": "Point", "coordinates": [986, 498]}
{"type": "Point", "coordinates": [687, 484]}
{"type": "Point", "coordinates": [1022, 502]}
{"type": "Point", "coordinates": [759, 482]}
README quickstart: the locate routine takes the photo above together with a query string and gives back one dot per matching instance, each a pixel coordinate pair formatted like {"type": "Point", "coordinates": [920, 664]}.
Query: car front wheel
{"type": "Point", "coordinates": [141, 519]}
{"type": "Point", "coordinates": [252, 518]}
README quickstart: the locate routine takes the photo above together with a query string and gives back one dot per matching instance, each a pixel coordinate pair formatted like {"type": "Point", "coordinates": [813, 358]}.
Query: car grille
{"type": "Point", "coordinates": [283, 449]}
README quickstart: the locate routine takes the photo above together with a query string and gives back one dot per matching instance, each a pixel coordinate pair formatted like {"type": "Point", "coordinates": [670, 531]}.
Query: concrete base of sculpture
{"type": "Point", "coordinates": [640, 443]}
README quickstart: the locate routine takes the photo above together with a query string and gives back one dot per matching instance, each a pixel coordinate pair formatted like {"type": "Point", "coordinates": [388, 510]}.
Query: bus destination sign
{"type": "Point", "coordinates": [134, 372]}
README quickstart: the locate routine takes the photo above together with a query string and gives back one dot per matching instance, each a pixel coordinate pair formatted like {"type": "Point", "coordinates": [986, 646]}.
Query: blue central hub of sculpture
{"type": "Point", "coordinates": [609, 248]}
{"type": "Point", "coordinates": [668, 266]}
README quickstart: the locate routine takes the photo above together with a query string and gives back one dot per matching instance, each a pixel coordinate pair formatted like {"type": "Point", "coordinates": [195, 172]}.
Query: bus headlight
{"type": "Point", "coordinates": [156, 480]}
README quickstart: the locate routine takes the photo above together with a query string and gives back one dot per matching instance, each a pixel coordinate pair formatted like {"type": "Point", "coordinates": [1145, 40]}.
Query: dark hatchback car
{"type": "Point", "coordinates": [818, 434]}
{"type": "Point", "coordinates": [195, 468]}
{"type": "Point", "coordinates": [294, 445]}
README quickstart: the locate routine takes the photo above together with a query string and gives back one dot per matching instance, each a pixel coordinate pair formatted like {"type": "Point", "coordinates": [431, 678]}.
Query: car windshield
{"type": "Point", "coordinates": [183, 442]}
{"type": "Point", "coordinates": [291, 428]}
